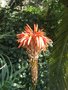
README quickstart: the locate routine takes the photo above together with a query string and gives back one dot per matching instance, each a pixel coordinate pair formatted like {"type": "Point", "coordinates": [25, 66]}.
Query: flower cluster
{"type": "Point", "coordinates": [34, 41]}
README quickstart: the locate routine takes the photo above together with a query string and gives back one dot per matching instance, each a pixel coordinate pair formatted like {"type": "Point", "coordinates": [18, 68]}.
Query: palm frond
{"type": "Point", "coordinates": [59, 60]}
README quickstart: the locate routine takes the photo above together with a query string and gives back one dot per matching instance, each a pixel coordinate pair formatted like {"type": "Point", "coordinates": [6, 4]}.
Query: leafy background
{"type": "Point", "coordinates": [52, 16]}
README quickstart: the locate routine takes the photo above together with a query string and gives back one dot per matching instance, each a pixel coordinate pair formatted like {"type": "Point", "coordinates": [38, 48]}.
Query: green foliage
{"type": "Point", "coordinates": [14, 65]}
{"type": "Point", "coordinates": [34, 10]}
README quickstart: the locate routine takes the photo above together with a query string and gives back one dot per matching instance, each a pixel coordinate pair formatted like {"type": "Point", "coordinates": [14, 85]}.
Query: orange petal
{"type": "Point", "coordinates": [29, 40]}
{"type": "Point", "coordinates": [35, 27]}
{"type": "Point", "coordinates": [20, 35]}
{"type": "Point", "coordinates": [41, 42]}
{"type": "Point", "coordinates": [45, 40]}
{"type": "Point", "coordinates": [28, 29]}
{"type": "Point", "coordinates": [42, 46]}
{"type": "Point", "coordinates": [24, 43]}
{"type": "Point", "coordinates": [37, 41]}
{"type": "Point", "coordinates": [20, 44]}
{"type": "Point", "coordinates": [22, 39]}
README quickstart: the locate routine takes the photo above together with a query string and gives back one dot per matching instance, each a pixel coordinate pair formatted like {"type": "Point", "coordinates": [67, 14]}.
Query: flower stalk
{"type": "Point", "coordinates": [34, 70]}
{"type": "Point", "coordinates": [34, 41]}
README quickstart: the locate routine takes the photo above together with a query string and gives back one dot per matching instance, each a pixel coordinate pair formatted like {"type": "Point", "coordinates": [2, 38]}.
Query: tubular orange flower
{"type": "Point", "coordinates": [34, 41]}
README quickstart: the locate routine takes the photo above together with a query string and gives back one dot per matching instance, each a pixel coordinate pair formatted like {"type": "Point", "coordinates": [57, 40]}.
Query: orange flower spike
{"type": "Point", "coordinates": [34, 42]}
{"type": "Point", "coordinates": [35, 37]}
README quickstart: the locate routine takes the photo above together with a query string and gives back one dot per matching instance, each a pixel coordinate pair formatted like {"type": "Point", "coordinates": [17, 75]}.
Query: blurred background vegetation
{"type": "Point", "coordinates": [52, 16]}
